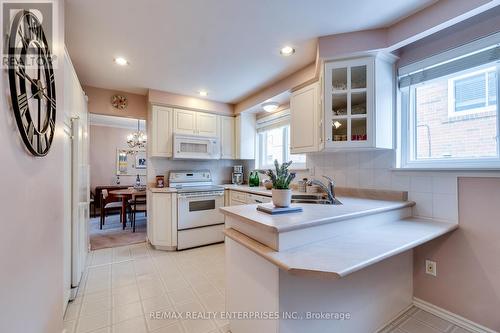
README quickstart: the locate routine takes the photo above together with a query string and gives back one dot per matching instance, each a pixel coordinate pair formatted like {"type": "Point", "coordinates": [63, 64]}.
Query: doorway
{"type": "Point", "coordinates": [117, 178]}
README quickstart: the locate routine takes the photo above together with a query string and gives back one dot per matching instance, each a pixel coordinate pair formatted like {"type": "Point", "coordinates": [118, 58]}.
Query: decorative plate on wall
{"type": "Point", "coordinates": [32, 83]}
{"type": "Point", "coordinates": [119, 102]}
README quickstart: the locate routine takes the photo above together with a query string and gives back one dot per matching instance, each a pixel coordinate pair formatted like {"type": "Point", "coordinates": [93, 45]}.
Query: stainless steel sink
{"type": "Point", "coordinates": [313, 199]}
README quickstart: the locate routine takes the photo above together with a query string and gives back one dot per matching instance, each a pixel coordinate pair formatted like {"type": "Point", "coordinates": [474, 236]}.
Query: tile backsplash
{"type": "Point", "coordinates": [221, 169]}
{"type": "Point", "coordinates": [434, 192]}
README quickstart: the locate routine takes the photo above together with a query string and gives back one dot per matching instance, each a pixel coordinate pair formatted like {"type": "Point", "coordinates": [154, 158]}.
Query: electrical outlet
{"type": "Point", "coordinates": [431, 267]}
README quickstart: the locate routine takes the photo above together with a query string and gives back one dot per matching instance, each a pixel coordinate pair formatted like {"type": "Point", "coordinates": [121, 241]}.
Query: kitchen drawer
{"type": "Point", "coordinates": [257, 199]}
{"type": "Point", "coordinates": [239, 196]}
{"type": "Point", "coordinates": [234, 202]}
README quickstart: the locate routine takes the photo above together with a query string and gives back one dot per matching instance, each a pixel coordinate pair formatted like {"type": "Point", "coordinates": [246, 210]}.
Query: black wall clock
{"type": "Point", "coordinates": [32, 84]}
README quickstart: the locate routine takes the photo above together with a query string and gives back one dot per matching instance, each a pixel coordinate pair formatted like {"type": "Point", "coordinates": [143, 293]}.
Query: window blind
{"type": "Point", "coordinates": [275, 120]}
{"type": "Point", "coordinates": [483, 57]}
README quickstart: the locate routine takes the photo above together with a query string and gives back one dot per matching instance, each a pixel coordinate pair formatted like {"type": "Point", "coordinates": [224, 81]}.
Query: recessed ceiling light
{"type": "Point", "coordinates": [121, 61]}
{"type": "Point", "coordinates": [203, 93]}
{"type": "Point", "coordinates": [270, 106]}
{"type": "Point", "coordinates": [287, 51]}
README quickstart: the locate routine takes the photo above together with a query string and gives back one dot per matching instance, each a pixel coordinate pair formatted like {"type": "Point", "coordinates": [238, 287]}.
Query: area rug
{"type": "Point", "coordinates": [112, 234]}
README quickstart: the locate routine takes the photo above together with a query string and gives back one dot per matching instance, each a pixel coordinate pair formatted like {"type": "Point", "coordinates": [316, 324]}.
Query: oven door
{"type": "Point", "coordinates": [199, 209]}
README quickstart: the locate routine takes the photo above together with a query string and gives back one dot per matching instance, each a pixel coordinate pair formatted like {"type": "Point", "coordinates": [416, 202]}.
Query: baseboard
{"type": "Point", "coordinates": [451, 317]}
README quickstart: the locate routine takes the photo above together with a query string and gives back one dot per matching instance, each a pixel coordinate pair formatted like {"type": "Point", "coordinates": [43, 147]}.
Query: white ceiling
{"type": "Point", "coordinates": [228, 47]}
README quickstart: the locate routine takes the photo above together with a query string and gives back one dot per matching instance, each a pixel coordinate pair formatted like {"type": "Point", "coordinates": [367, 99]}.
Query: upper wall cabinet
{"type": "Point", "coordinates": [161, 131]}
{"type": "Point", "coordinates": [227, 138]}
{"type": "Point", "coordinates": [245, 136]}
{"type": "Point", "coordinates": [207, 124]}
{"type": "Point", "coordinates": [359, 103]}
{"type": "Point", "coordinates": [195, 123]}
{"type": "Point", "coordinates": [305, 120]}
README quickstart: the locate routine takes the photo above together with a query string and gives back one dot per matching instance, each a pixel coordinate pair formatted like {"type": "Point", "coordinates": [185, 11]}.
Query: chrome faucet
{"type": "Point", "coordinates": [329, 190]}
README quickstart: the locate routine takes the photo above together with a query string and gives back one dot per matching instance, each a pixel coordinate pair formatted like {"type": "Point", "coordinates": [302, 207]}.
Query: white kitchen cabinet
{"type": "Point", "coordinates": [305, 120]}
{"type": "Point", "coordinates": [160, 137]}
{"type": "Point", "coordinates": [227, 138]}
{"type": "Point", "coordinates": [237, 198]}
{"type": "Point", "coordinates": [245, 136]}
{"type": "Point", "coordinates": [258, 199]}
{"type": "Point", "coordinates": [195, 123]}
{"type": "Point", "coordinates": [184, 122]}
{"type": "Point", "coordinates": [162, 220]}
{"type": "Point", "coordinates": [358, 103]}
{"type": "Point", "coordinates": [207, 124]}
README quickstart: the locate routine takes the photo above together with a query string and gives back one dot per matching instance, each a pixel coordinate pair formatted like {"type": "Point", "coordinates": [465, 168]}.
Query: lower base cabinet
{"type": "Point", "coordinates": [236, 198]}
{"type": "Point", "coordinates": [162, 220]}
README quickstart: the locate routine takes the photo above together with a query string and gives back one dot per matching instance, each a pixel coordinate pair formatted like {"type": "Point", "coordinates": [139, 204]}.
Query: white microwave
{"type": "Point", "coordinates": [196, 147]}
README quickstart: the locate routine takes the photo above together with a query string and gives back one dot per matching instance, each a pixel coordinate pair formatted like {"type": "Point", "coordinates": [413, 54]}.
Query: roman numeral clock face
{"type": "Point", "coordinates": [32, 85]}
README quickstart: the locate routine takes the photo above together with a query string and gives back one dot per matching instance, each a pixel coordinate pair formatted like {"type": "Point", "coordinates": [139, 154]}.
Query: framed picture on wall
{"type": "Point", "coordinates": [140, 161]}
{"type": "Point", "coordinates": [131, 162]}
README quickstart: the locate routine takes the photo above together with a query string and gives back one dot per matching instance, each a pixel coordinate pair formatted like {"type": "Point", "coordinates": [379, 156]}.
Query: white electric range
{"type": "Point", "coordinates": [199, 221]}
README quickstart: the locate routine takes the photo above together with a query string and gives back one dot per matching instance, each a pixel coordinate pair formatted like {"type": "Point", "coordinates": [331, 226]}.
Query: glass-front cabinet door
{"type": "Point", "coordinates": [348, 102]}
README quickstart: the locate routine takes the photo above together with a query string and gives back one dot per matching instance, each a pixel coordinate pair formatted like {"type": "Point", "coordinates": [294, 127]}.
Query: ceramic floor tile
{"type": "Point", "coordinates": [103, 330]}
{"type": "Point", "coordinates": [126, 298]}
{"type": "Point", "coordinates": [158, 303]}
{"type": "Point", "coordinates": [156, 321]}
{"type": "Point", "coordinates": [135, 325]}
{"type": "Point", "coordinates": [182, 295]}
{"type": "Point", "coordinates": [432, 320]}
{"type": "Point", "coordinates": [174, 284]}
{"type": "Point", "coordinates": [174, 328]}
{"type": "Point", "coordinates": [122, 286]}
{"type": "Point", "coordinates": [128, 311]}
{"type": "Point", "coordinates": [412, 325]}
{"type": "Point", "coordinates": [69, 326]}
{"type": "Point", "coordinates": [94, 322]}
{"type": "Point", "coordinates": [90, 308]}
{"type": "Point", "coordinates": [459, 330]}
{"type": "Point", "coordinates": [198, 326]}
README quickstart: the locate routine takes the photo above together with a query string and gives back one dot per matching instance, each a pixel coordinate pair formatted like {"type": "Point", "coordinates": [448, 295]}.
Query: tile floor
{"type": "Point", "coordinates": [416, 320]}
{"type": "Point", "coordinates": [123, 285]}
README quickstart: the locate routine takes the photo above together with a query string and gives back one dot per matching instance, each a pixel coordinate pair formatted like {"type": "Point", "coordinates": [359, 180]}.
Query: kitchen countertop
{"type": "Point", "coordinates": [163, 190]}
{"type": "Point", "coordinates": [351, 251]}
{"type": "Point", "coordinates": [313, 214]}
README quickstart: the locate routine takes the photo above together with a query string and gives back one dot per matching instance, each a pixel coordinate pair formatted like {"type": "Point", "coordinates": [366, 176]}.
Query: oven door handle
{"type": "Point", "coordinates": [200, 195]}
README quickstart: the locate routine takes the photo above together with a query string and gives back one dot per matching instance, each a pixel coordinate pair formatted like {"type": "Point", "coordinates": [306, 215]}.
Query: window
{"type": "Point", "coordinates": [449, 110]}
{"type": "Point", "coordinates": [274, 144]}
{"type": "Point", "coordinates": [472, 93]}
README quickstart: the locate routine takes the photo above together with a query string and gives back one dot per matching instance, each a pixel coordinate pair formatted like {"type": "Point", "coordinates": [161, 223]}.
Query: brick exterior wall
{"type": "Point", "coordinates": [461, 137]}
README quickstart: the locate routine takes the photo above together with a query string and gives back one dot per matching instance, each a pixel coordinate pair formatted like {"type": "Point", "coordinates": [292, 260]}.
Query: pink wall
{"type": "Point", "coordinates": [31, 239]}
{"type": "Point", "coordinates": [104, 141]}
{"type": "Point", "coordinates": [468, 266]}
{"type": "Point", "coordinates": [100, 103]}
{"type": "Point", "coordinates": [464, 32]}
{"type": "Point", "coordinates": [188, 102]}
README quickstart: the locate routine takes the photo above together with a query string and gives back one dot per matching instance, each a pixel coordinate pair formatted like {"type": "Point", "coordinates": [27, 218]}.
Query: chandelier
{"type": "Point", "coordinates": [137, 139]}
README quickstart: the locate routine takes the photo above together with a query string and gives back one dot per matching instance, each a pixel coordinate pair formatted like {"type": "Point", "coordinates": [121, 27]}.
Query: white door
{"type": "Point", "coordinates": [76, 175]}
{"type": "Point", "coordinates": [80, 198]}
{"type": "Point", "coordinates": [184, 122]}
{"type": "Point", "coordinates": [206, 124]}
{"type": "Point", "coordinates": [227, 137]}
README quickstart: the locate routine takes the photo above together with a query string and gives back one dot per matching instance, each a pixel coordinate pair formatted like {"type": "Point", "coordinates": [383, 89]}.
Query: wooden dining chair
{"type": "Point", "coordinates": [108, 204]}
{"type": "Point", "coordinates": [136, 205]}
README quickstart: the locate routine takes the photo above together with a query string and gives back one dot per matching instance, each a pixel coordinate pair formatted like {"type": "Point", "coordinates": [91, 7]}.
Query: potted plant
{"type": "Point", "coordinates": [281, 179]}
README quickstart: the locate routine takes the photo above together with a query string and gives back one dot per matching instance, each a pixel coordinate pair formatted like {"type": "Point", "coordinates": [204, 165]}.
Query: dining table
{"type": "Point", "coordinates": [125, 195]}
